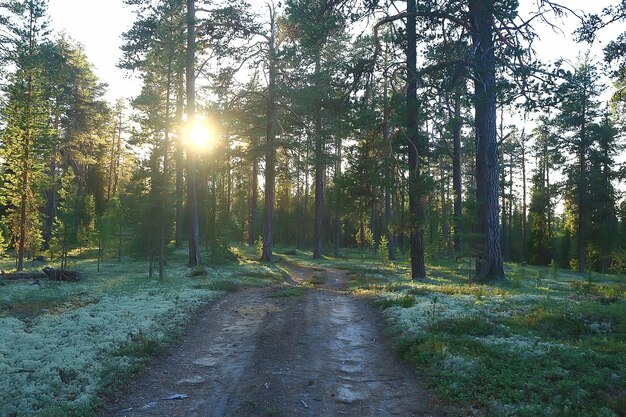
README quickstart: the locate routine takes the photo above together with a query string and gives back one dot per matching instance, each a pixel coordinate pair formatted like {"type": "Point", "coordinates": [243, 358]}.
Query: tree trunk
{"type": "Point", "coordinates": [270, 155]}
{"type": "Point", "coordinates": [337, 230]}
{"type": "Point", "coordinates": [582, 206]}
{"type": "Point", "coordinates": [180, 164]}
{"type": "Point", "coordinates": [164, 179]}
{"type": "Point", "coordinates": [509, 234]}
{"type": "Point", "coordinates": [457, 181]}
{"type": "Point", "coordinates": [389, 229]}
{"type": "Point", "coordinates": [51, 202]}
{"type": "Point", "coordinates": [504, 235]}
{"type": "Point", "coordinates": [374, 223]}
{"type": "Point", "coordinates": [444, 209]}
{"type": "Point", "coordinates": [391, 237]}
{"type": "Point", "coordinates": [524, 221]}
{"type": "Point", "coordinates": [253, 199]}
{"type": "Point", "coordinates": [229, 181]}
{"type": "Point", "coordinates": [489, 266]}
{"type": "Point", "coordinates": [299, 191]}
{"type": "Point", "coordinates": [25, 186]}
{"type": "Point", "coordinates": [192, 191]}
{"type": "Point", "coordinates": [582, 191]}
{"type": "Point", "coordinates": [319, 171]}
{"type": "Point", "coordinates": [505, 252]}
{"type": "Point", "coordinates": [418, 268]}
{"type": "Point", "coordinates": [112, 162]}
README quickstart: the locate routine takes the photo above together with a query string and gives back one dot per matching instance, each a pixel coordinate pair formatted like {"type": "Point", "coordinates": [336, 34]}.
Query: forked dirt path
{"type": "Point", "coordinates": [320, 353]}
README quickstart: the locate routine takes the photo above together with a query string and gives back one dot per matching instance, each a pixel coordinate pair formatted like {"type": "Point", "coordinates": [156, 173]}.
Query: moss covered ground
{"type": "Point", "coordinates": [65, 346]}
{"type": "Point", "coordinates": [547, 342]}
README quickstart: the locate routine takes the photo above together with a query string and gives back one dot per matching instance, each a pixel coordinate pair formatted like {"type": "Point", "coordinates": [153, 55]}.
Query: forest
{"type": "Point", "coordinates": [426, 147]}
{"type": "Point", "coordinates": [264, 128]}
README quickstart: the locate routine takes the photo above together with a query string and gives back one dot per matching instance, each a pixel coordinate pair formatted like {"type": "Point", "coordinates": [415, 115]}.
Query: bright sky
{"type": "Point", "coordinates": [555, 44]}
{"type": "Point", "coordinates": [99, 24]}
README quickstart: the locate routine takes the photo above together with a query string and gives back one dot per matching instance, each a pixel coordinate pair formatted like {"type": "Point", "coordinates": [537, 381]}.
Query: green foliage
{"type": "Point", "coordinates": [383, 247]}
{"type": "Point", "coordinates": [65, 226]}
{"type": "Point", "coordinates": [365, 235]}
{"type": "Point", "coordinates": [404, 301]}
{"type": "Point", "coordinates": [198, 271]}
{"type": "Point", "coordinates": [259, 246]}
{"type": "Point", "coordinates": [87, 231]}
{"type": "Point", "coordinates": [553, 269]}
{"type": "Point", "coordinates": [473, 326]}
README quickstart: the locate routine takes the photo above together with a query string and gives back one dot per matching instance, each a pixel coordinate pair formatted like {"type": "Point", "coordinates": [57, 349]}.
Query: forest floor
{"type": "Point", "coordinates": [313, 337]}
{"type": "Point", "coordinates": [306, 347]}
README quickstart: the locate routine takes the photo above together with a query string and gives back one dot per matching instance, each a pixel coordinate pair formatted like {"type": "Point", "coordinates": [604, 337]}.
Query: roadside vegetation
{"type": "Point", "coordinates": [65, 346]}
{"type": "Point", "coordinates": [548, 342]}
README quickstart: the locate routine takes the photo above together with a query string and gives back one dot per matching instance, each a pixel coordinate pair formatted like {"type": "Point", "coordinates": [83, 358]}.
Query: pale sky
{"type": "Point", "coordinates": [99, 24]}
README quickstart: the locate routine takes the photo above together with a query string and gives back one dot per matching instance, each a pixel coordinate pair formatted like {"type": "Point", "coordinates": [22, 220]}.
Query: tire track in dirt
{"type": "Point", "coordinates": [253, 354]}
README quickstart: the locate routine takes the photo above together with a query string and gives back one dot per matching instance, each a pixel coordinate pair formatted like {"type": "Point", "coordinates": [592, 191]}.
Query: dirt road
{"type": "Point", "coordinates": [317, 352]}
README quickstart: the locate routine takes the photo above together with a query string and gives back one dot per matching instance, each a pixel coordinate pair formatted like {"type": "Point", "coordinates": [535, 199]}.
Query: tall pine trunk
{"type": "Point", "coordinates": [192, 189]}
{"type": "Point", "coordinates": [164, 179]}
{"type": "Point", "coordinates": [418, 267]}
{"type": "Point", "coordinates": [489, 266]}
{"type": "Point", "coordinates": [180, 163]}
{"type": "Point", "coordinates": [524, 205]}
{"type": "Point", "coordinates": [582, 203]}
{"type": "Point", "coordinates": [319, 170]}
{"type": "Point", "coordinates": [270, 155]}
{"type": "Point", "coordinates": [337, 225]}
{"type": "Point", "coordinates": [389, 229]}
{"type": "Point", "coordinates": [253, 199]}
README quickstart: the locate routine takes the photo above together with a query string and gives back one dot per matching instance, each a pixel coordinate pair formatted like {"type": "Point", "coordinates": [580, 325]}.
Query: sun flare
{"type": "Point", "coordinates": [201, 135]}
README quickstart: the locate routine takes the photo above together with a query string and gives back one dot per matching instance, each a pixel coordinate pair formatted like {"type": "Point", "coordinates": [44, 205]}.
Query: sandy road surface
{"type": "Point", "coordinates": [319, 353]}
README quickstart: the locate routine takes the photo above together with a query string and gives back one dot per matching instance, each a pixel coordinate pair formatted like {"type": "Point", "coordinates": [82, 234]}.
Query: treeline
{"type": "Point", "coordinates": [430, 132]}
{"type": "Point", "coordinates": [62, 157]}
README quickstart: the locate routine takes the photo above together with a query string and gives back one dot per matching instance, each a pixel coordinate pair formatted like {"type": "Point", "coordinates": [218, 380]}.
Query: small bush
{"type": "Point", "coordinates": [223, 285]}
{"type": "Point", "coordinates": [473, 326]}
{"type": "Point", "coordinates": [317, 279]}
{"type": "Point", "coordinates": [404, 301]}
{"type": "Point", "coordinates": [198, 271]}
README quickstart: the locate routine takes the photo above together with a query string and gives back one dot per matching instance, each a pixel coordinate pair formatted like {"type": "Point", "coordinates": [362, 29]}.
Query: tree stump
{"type": "Point", "coordinates": [61, 274]}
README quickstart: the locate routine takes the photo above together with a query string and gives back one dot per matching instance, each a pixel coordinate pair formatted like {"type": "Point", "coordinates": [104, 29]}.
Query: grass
{"type": "Point", "coordinates": [66, 346]}
{"type": "Point", "coordinates": [548, 342]}
{"type": "Point", "coordinates": [317, 279]}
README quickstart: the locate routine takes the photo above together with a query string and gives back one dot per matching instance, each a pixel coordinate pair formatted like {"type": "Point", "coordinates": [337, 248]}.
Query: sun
{"type": "Point", "coordinates": [200, 135]}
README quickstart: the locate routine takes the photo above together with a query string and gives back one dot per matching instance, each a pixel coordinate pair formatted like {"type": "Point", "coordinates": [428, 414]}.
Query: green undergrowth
{"type": "Point", "coordinates": [288, 292]}
{"type": "Point", "coordinates": [66, 346]}
{"type": "Point", "coordinates": [546, 342]}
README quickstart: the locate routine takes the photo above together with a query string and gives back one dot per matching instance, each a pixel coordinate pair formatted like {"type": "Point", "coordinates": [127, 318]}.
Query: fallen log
{"type": "Point", "coordinates": [15, 276]}
{"type": "Point", "coordinates": [61, 274]}
{"type": "Point", "coordinates": [51, 273]}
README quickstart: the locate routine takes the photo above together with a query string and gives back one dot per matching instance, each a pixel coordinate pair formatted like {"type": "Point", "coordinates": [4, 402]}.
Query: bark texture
{"type": "Point", "coordinates": [270, 155]}
{"type": "Point", "coordinates": [192, 189]}
{"type": "Point", "coordinates": [489, 265]}
{"type": "Point", "coordinates": [418, 268]}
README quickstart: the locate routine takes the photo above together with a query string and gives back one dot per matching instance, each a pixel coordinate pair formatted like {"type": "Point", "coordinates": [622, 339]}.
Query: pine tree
{"type": "Point", "coordinates": [26, 129]}
{"type": "Point", "coordinates": [603, 195]}
{"type": "Point", "coordinates": [578, 110]}
{"type": "Point", "coordinates": [66, 221]}
{"type": "Point", "coordinates": [541, 212]}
